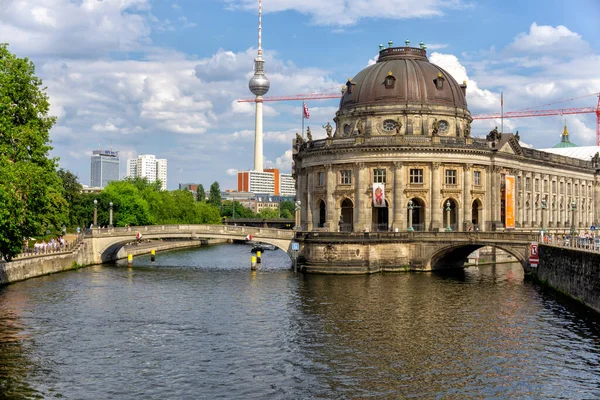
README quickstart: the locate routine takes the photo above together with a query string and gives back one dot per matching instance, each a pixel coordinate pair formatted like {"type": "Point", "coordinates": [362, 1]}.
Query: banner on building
{"type": "Point", "coordinates": [379, 195]}
{"type": "Point", "coordinates": [509, 202]}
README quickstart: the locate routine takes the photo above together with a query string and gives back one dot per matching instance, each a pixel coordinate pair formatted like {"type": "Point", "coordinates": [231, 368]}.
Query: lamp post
{"type": "Point", "coordinates": [573, 208]}
{"type": "Point", "coordinates": [110, 214]}
{"type": "Point", "coordinates": [542, 230]}
{"type": "Point", "coordinates": [95, 212]}
{"type": "Point", "coordinates": [410, 216]}
{"type": "Point", "coordinates": [448, 227]}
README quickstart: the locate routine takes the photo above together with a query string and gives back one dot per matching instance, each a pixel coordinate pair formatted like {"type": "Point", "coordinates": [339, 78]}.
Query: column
{"type": "Point", "coordinates": [300, 195]}
{"type": "Point", "coordinates": [436, 211]}
{"type": "Point", "coordinates": [521, 199]}
{"type": "Point", "coordinates": [360, 187]}
{"type": "Point", "coordinates": [399, 211]}
{"type": "Point", "coordinates": [309, 201]}
{"type": "Point", "coordinates": [596, 207]}
{"type": "Point", "coordinates": [332, 216]}
{"type": "Point", "coordinates": [467, 200]}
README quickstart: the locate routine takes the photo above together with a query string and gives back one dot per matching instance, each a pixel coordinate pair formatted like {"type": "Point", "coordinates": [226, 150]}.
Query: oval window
{"type": "Point", "coordinates": [389, 125]}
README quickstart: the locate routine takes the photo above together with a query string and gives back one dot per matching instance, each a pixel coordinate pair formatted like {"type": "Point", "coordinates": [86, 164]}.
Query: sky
{"type": "Point", "coordinates": [162, 77]}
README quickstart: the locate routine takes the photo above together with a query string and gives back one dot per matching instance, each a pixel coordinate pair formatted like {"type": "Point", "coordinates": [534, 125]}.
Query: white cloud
{"type": "Point", "coordinates": [68, 28]}
{"type": "Point", "coordinates": [232, 172]}
{"type": "Point", "coordinates": [344, 12]}
{"type": "Point", "coordinates": [283, 163]}
{"type": "Point", "coordinates": [545, 39]}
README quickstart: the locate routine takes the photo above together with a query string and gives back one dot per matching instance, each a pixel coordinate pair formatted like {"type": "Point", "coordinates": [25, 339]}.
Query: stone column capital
{"type": "Point", "coordinates": [397, 164]}
{"type": "Point", "coordinates": [435, 166]}
{"type": "Point", "coordinates": [467, 167]}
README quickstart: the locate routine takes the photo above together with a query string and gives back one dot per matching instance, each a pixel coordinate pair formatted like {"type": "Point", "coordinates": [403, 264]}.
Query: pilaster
{"type": "Point", "coordinates": [332, 217]}
{"type": "Point", "coordinates": [399, 211]}
{"type": "Point", "coordinates": [467, 200]}
{"type": "Point", "coordinates": [436, 209]}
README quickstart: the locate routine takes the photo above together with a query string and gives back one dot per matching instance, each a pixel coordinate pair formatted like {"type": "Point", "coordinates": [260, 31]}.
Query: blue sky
{"type": "Point", "coordinates": [162, 77]}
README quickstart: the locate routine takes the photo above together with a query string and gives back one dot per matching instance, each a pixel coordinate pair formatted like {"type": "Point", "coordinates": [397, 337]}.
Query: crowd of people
{"type": "Point", "coordinates": [51, 246]}
{"type": "Point", "coordinates": [584, 240]}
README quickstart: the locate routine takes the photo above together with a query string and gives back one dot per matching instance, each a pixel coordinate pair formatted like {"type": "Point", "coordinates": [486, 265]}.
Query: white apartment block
{"type": "Point", "coordinates": [149, 167]}
{"type": "Point", "coordinates": [287, 185]}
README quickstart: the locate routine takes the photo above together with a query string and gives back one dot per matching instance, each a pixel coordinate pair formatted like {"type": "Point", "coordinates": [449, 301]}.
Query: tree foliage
{"type": "Point", "coordinates": [200, 193]}
{"type": "Point", "coordinates": [31, 192]}
{"type": "Point", "coordinates": [214, 196]}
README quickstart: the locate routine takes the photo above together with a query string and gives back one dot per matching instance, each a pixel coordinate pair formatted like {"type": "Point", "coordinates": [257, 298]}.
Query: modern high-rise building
{"type": "Point", "coordinates": [149, 167]}
{"type": "Point", "coordinates": [271, 181]}
{"type": "Point", "coordinates": [104, 167]}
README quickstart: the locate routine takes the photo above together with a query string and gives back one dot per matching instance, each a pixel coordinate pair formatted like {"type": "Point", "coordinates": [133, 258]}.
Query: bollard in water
{"type": "Point", "coordinates": [253, 263]}
{"type": "Point", "coordinates": [129, 259]}
{"type": "Point", "coordinates": [152, 255]}
{"type": "Point", "coordinates": [258, 259]}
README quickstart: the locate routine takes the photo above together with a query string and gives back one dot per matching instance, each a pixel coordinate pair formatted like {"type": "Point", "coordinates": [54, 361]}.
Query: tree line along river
{"type": "Point", "coordinates": [198, 324]}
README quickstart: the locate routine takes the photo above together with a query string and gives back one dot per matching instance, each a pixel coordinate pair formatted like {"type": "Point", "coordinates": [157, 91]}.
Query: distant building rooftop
{"type": "Point", "coordinates": [564, 140]}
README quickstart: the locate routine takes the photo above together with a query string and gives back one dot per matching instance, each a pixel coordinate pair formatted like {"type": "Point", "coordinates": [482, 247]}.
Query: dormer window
{"type": "Point", "coordinates": [439, 81]}
{"type": "Point", "coordinates": [390, 81]}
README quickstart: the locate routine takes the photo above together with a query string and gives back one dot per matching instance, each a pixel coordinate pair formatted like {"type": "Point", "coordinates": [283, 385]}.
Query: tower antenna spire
{"type": "Point", "coordinates": [259, 28]}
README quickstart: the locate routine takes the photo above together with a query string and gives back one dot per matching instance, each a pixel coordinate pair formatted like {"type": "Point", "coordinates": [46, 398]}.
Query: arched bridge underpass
{"type": "Point", "coordinates": [420, 250]}
{"type": "Point", "coordinates": [102, 245]}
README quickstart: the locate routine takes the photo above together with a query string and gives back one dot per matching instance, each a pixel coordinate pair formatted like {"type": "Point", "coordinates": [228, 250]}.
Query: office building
{"type": "Point", "coordinates": [104, 167]}
{"type": "Point", "coordinates": [149, 167]}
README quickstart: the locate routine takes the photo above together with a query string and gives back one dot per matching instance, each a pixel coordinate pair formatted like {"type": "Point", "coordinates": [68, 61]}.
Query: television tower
{"type": "Point", "coordinates": [259, 86]}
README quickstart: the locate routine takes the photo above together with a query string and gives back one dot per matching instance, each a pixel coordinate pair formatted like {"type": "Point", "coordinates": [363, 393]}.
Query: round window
{"type": "Point", "coordinates": [389, 125]}
{"type": "Point", "coordinates": [347, 129]}
{"type": "Point", "coordinates": [443, 126]}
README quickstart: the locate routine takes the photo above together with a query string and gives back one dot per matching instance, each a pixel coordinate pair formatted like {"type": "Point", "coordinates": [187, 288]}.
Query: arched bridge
{"type": "Point", "coordinates": [331, 252]}
{"type": "Point", "coordinates": [338, 252]}
{"type": "Point", "coordinates": [103, 244]}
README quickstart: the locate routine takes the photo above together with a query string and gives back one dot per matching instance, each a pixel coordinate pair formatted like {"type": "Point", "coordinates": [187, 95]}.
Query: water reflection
{"type": "Point", "coordinates": [199, 323]}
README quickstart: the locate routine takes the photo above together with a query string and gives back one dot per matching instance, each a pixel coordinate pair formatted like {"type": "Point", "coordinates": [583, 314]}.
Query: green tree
{"type": "Point", "coordinates": [268, 213]}
{"type": "Point", "coordinates": [72, 194]}
{"type": "Point", "coordinates": [240, 210]}
{"type": "Point", "coordinates": [31, 191]}
{"type": "Point", "coordinates": [201, 193]}
{"type": "Point", "coordinates": [287, 209]}
{"type": "Point", "coordinates": [214, 196]}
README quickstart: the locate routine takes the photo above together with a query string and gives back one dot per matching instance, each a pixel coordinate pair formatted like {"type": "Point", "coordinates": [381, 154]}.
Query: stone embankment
{"type": "Point", "coordinates": [39, 265]}
{"type": "Point", "coordinates": [574, 272]}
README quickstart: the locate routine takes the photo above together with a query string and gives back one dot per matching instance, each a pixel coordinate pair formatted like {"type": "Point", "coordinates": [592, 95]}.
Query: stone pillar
{"type": "Point", "coordinates": [309, 198]}
{"type": "Point", "coordinates": [360, 205]}
{"type": "Point", "coordinates": [596, 208]}
{"type": "Point", "coordinates": [301, 176]}
{"type": "Point", "coordinates": [399, 211]}
{"type": "Point", "coordinates": [467, 200]}
{"type": "Point", "coordinates": [520, 199]}
{"type": "Point", "coordinates": [332, 216]}
{"type": "Point", "coordinates": [436, 207]}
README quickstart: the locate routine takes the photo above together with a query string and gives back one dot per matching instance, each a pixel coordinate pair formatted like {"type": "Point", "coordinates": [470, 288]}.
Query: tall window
{"type": "Point", "coordinates": [450, 177]}
{"type": "Point", "coordinates": [321, 178]}
{"type": "Point", "coordinates": [554, 187]}
{"type": "Point", "coordinates": [519, 183]}
{"type": "Point", "coordinates": [537, 185]}
{"type": "Point", "coordinates": [379, 176]}
{"type": "Point", "coordinates": [545, 186]}
{"type": "Point", "coordinates": [561, 187]}
{"type": "Point", "coordinates": [477, 178]}
{"type": "Point", "coordinates": [416, 176]}
{"type": "Point", "coordinates": [568, 188]}
{"type": "Point", "coordinates": [346, 177]}
{"type": "Point", "coordinates": [528, 183]}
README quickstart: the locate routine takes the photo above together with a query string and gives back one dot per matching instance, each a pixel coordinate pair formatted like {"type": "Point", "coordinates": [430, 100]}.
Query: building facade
{"type": "Point", "coordinates": [104, 167]}
{"type": "Point", "coordinates": [401, 157]}
{"type": "Point", "coordinates": [149, 167]}
{"type": "Point", "coordinates": [270, 181]}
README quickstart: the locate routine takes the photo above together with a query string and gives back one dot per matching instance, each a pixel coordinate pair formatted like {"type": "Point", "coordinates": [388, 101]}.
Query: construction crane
{"type": "Point", "coordinates": [525, 113]}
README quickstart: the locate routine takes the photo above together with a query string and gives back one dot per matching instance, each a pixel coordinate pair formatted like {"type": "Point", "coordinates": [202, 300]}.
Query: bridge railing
{"type": "Point", "coordinates": [444, 236]}
{"type": "Point", "coordinates": [199, 229]}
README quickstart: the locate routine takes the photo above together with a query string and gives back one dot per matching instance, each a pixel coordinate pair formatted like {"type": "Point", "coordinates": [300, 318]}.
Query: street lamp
{"type": "Point", "coordinates": [573, 208]}
{"type": "Point", "coordinates": [95, 212]}
{"type": "Point", "coordinates": [448, 227]}
{"type": "Point", "coordinates": [410, 216]}
{"type": "Point", "coordinates": [110, 214]}
{"type": "Point", "coordinates": [542, 230]}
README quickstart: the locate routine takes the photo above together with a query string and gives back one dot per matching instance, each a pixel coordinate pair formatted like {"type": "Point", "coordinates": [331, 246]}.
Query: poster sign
{"type": "Point", "coordinates": [534, 258]}
{"type": "Point", "coordinates": [509, 202]}
{"type": "Point", "coordinates": [379, 195]}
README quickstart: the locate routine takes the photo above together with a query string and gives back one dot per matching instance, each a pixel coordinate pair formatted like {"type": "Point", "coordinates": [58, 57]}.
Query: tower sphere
{"type": "Point", "coordinates": [259, 85]}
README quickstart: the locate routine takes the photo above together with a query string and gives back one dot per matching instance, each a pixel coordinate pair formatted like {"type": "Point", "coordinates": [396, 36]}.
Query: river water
{"type": "Point", "coordinates": [197, 324]}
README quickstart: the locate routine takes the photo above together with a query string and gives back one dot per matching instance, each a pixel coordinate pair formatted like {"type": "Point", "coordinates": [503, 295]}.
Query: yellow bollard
{"type": "Point", "coordinates": [258, 259]}
{"type": "Point", "coordinates": [129, 259]}
{"type": "Point", "coordinates": [152, 255]}
{"type": "Point", "coordinates": [253, 263]}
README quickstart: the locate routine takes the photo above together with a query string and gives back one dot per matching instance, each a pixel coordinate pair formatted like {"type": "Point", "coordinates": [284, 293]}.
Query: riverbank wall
{"type": "Point", "coordinates": [574, 272]}
{"type": "Point", "coordinates": [46, 264]}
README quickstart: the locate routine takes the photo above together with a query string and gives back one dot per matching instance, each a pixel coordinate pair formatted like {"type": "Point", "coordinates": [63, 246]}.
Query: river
{"type": "Point", "coordinates": [197, 324]}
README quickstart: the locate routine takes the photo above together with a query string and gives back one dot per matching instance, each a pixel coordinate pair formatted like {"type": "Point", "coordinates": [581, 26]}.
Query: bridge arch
{"type": "Point", "coordinates": [455, 255]}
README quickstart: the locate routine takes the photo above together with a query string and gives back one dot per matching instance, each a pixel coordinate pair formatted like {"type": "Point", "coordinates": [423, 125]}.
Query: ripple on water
{"type": "Point", "coordinates": [197, 324]}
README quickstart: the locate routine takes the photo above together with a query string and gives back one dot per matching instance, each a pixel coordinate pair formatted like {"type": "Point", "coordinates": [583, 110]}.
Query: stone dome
{"type": "Point", "coordinates": [403, 75]}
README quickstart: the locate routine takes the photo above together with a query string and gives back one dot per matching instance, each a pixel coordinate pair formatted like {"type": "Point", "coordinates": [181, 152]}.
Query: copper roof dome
{"type": "Point", "coordinates": [403, 75]}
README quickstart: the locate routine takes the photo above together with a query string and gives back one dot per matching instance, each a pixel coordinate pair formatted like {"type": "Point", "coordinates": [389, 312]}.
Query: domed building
{"type": "Point", "coordinates": [401, 157]}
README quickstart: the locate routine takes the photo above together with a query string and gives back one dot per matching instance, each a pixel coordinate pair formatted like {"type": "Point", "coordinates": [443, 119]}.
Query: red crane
{"type": "Point", "coordinates": [510, 114]}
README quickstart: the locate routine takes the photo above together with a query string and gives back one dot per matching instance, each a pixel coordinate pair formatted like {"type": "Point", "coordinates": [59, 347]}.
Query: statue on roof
{"type": "Point", "coordinates": [517, 137]}
{"type": "Point", "coordinates": [494, 135]}
{"type": "Point", "coordinates": [596, 160]}
{"type": "Point", "coordinates": [328, 129]}
{"type": "Point", "coordinates": [435, 128]}
{"type": "Point", "coordinates": [468, 130]}
{"type": "Point", "coordinates": [398, 125]}
{"type": "Point", "coordinates": [360, 126]}
{"type": "Point", "coordinates": [308, 134]}
{"type": "Point", "coordinates": [299, 139]}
